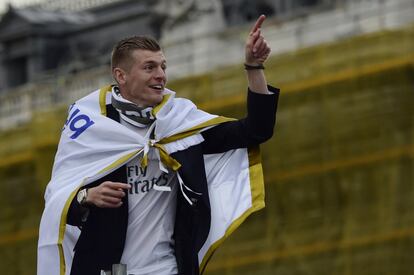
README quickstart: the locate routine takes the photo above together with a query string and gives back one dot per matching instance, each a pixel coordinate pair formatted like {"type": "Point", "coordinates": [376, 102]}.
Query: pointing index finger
{"type": "Point", "coordinates": [258, 23]}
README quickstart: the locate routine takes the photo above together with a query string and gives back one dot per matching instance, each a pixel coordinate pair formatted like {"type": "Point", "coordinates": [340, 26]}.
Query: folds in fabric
{"type": "Point", "coordinates": [93, 145]}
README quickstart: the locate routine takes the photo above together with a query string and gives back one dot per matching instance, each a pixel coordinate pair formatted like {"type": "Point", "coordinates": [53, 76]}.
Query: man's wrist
{"type": "Point", "coordinates": [253, 66]}
{"type": "Point", "coordinates": [82, 197]}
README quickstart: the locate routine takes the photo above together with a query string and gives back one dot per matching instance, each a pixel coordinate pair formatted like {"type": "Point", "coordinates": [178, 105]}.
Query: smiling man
{"type": "Point", "coordinates": [139, 68]}
{"type": "Point", "coordinates": [153, 182]}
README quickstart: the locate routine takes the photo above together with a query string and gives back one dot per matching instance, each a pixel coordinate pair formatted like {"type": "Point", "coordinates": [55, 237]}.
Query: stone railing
{"type": "Point", "coordinates": [185, 56]}
{"type": "Point", "coordinates": [73, 5]}
{"type": "Point", "coordinates": [17, 106]}
{"type": "Point", "coordinates": [225, 48]}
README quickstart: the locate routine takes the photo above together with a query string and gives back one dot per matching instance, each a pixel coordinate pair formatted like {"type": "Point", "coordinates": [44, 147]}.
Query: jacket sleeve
{"type": "Point", "coordinates": [255, 128]}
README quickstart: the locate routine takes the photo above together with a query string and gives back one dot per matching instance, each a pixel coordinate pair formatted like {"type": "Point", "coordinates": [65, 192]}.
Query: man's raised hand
{"type": "Point", "coordinates": [256, 50]}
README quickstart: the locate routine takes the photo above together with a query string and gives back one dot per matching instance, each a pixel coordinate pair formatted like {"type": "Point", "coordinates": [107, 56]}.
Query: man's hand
{"type": "Point", "coordinates": [257, 50]}
{"type": "Point", "coordinates": [107, 195]}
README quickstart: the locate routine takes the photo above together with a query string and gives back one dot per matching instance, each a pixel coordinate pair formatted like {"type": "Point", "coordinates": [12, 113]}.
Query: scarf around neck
{"type": "Point", "coordinates": [131, 112]}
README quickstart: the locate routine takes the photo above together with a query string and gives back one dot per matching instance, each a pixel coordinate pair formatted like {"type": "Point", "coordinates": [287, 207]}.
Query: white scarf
{"type": "Point", "coordinates": [93, 145]}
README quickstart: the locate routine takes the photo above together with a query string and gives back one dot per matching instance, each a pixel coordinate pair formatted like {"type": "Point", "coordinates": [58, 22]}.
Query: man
{"type": "Point", "coordinates": [148, 180]}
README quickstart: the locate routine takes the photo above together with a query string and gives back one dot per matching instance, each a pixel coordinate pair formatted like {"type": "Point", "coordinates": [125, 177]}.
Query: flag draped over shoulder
{"type": "Point", "coordinates": [93, 145]}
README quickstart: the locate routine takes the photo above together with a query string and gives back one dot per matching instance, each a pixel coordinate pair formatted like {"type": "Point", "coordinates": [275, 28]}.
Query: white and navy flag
{"type": "Point", "coordinates": [93, 145]}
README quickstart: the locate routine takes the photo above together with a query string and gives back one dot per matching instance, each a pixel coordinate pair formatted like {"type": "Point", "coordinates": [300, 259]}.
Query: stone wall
{"type": "Point", "coordinates": [338, 171]}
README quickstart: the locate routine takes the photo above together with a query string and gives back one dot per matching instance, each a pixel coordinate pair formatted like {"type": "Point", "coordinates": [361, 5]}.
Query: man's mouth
{"type": "Point", "coordinates": [157, 87]}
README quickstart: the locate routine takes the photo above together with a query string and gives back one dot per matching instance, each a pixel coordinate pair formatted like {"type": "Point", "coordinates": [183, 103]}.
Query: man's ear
{"type": "Point", "coordinates": [119, 75]}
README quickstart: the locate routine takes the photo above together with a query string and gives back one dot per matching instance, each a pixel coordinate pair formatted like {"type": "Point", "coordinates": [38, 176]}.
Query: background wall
{"type": "Point", "coordinates": [338, 171]}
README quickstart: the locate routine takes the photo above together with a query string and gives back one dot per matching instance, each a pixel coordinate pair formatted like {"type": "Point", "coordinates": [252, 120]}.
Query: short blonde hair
{"type": "Point", "coordinates": [121, 53]}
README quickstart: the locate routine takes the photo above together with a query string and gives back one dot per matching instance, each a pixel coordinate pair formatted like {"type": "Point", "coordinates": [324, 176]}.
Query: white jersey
{"type": "Point", "coordinates": [149, 246]}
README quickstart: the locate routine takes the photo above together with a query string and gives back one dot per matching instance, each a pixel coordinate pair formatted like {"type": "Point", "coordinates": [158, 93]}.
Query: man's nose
{"type": "Point", "coordinates": [160, 73]}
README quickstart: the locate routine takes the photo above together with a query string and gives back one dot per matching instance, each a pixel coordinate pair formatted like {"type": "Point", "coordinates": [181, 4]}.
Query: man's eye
{"type": "Point", "coordinates": [149, 67]}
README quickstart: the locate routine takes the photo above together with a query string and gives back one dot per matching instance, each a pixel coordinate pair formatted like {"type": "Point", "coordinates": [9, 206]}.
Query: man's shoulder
{"type": "Point", "coordinates": [92, 96]}
{"type": "Point", "coordinates": [182, 101]}
{"type": "Point", "coordinates": [91, 102]}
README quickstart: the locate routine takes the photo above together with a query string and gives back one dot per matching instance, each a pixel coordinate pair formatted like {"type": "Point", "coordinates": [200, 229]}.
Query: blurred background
{"type": "Point", "coordinates": [339, 169]}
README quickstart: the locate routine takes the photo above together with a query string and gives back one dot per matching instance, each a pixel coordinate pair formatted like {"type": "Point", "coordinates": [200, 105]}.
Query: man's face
{"type": "Point", "coordinates": [144, 82]}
